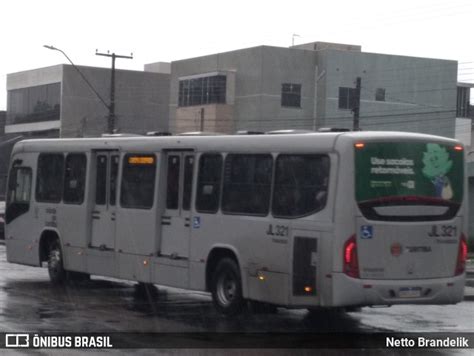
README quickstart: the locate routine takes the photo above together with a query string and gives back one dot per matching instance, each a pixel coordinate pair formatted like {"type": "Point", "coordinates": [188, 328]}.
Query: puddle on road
{"type": "Point", "coordinates": [425, 318]}
{"type": "Point", "coordinates": [47, 313]}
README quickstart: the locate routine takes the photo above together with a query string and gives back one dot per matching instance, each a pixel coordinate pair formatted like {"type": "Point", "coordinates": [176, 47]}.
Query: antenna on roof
{"type": "Point", "coordinates": [293, 39]}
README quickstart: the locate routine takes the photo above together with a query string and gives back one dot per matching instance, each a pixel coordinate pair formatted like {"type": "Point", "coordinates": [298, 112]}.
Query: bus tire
{"type": "Point", "coordinates": [227, 287]}
{"type": "Point", "coordinates": [145, 291]}
{"type": "Point", "coordinates": [78, 276]}
{"type": "Point", "coordinates": [262, 308]}
{"type": "Point", "coordinates": [324, 312]}
{"type": "Point", "coordinates": [56, 271]}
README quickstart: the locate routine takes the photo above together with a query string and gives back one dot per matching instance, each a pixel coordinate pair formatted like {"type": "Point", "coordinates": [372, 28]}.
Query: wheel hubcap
{"type": "Point", "coordinates": [55, 261]}
{"type": "Point", "coordinates": [226, 288]}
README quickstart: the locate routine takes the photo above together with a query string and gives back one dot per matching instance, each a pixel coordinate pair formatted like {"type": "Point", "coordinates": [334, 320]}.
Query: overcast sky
{"type": "Point", "coordinates": [166, 31]}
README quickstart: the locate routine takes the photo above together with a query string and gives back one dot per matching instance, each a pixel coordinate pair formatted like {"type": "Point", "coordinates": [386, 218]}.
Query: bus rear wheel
{"type": "Point", "coordinates": [56, 271]}
{"type": "Point", "coordinates": [227, 287]}
{"type": "Point", "coordinates": [78, 276]}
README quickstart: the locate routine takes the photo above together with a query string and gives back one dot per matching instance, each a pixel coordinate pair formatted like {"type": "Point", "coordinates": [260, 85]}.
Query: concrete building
{"type": "Point", "coordinates": [56, 101]}
{"type": "Point", "coordinates": [263, 88]}
{"type": "Point", "coordinates": [6, 145]}
{"type": "Point", "coordinates": [4, 155]}
{"type": "Point", "coordinates": [312, 86]}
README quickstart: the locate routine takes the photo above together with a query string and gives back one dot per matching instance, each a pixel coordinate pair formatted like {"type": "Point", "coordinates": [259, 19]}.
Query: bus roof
{"type": "Point", "coordinates": [243, 143]}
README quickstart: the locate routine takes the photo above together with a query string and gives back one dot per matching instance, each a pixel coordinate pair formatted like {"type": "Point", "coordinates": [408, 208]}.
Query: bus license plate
{"type": "Point", "coordinates": [414, 292]}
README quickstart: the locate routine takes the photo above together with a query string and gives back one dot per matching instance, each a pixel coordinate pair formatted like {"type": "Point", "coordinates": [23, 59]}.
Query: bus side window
{"type": "Point", "coordinates": [75, 178]}
{"type": "Point", "coordinates": [101, 180]}
{"type": "Point", "coordinates": [114, 165]}
{"type": "Point", "coordinates": [247, 184]}
{"type": "Point", "coordinates": [19, 192]}
{"type": "Point", "coordinates": [49, 182]}
{"type": "Point", "coordinates": [188, 181]}
{"type": "Point", "coordinates": [209, 183]}
{"type": "Point", "coordinates": [172, 182]}
{"type": "Point", "coordinates": [301, 185]}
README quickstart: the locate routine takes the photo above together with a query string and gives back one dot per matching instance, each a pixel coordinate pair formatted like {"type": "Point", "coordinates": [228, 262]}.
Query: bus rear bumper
{"type": "Point", "coordinates": [349, 291]}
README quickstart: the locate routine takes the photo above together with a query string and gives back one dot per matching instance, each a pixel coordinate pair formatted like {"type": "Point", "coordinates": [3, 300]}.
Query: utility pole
{"type": "Point", "coordinates": [317, 78]}
{"type": "Point", "coordinates": [356, 105]}
{"type": "Point", "coordinates": [111, 118]}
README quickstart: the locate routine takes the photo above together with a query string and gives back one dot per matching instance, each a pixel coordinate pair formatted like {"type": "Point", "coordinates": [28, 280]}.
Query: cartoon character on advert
{"type": "Point", "coordinates": [436, 167]}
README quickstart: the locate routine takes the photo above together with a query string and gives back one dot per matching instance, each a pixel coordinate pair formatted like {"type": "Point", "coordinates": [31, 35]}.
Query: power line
{"type": "Point", "coordinates": [309, 119]}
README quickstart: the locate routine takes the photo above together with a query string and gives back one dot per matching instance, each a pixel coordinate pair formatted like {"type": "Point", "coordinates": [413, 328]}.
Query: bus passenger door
{"type": "Point", "coordinates": [176, 217]}
{"type": "Point", "coordinates": [105, 198]}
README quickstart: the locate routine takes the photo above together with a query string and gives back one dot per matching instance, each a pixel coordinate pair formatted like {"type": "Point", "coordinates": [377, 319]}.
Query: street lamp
{"type": "Point", "coordinates": [85, 79]}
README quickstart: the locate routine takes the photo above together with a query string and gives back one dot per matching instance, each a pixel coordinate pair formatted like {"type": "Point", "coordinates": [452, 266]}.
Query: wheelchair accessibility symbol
{"type": "Point", "coordinates": [366, 232]}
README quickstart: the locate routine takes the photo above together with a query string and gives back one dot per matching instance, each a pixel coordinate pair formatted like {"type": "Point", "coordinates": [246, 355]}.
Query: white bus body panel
{"type": "Point", "coordinates": [138, 239]}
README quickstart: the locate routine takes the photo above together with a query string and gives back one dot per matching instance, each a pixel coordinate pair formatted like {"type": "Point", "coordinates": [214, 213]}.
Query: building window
{"type": "Point", "coordinates": [202, 91]}
{"type": "Point", "coordinates": [138, 181]}
{"type": "Point", "coordinates": [301, 185]}
{"type": "Point", "coordinates": [347, 98]}
{"type": "Point", "coordinates": [209, 183]}
{"type": "Point", "coordinates": [462, 102]}
{"type": "Point", "coordinates": [75, 178]}
{"type": "Point", "coordinates": [380, 94]}
{"type": "Point", "coordinates": [247, 184]}
{"type": "Point", "coordinates": [34, 104]}
{"type": "Point", "coordinates": [49, 182]}
{"type": "Point", "coordinates": [291, 95]}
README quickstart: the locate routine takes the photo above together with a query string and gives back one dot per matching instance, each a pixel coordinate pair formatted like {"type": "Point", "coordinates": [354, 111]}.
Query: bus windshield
{"type": "Point", "coordinates": [390, 174]}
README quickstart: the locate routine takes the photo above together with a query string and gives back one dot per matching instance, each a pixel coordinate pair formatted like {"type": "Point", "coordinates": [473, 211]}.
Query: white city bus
{"type": "Point", "coordinates": [298, 220]}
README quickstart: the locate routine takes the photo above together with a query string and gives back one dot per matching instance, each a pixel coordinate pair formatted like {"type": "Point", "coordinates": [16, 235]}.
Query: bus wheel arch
{"type": "Point", "coordinates": [216, 254]}
{"type": "Point", "coordinates": [224, 281]}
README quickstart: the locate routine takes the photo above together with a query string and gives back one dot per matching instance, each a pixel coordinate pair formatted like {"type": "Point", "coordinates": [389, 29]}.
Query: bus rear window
{"type": "Point", "coordinates": [427, 175]}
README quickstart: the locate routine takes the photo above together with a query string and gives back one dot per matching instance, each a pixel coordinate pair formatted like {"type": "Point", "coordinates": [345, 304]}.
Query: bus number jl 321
{"type": "Point", "coordinates": [277, 230]}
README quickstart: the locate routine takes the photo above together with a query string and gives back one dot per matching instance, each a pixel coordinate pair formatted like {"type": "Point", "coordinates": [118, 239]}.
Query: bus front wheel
{"type": "Point", "coordinates": [56, 271]}
{"type": "Point", "coordinates": [227, 287]}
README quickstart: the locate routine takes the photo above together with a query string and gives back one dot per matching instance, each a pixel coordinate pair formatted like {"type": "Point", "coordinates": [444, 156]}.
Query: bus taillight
{"type": "Point", "coordinates": [351, 264]}
{"type": "Point", "coordinates": [462, 256]}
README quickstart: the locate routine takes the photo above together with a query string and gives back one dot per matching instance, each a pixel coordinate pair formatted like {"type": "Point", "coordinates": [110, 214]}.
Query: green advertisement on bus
{"type": "Point", "coordinates": [408, 169]}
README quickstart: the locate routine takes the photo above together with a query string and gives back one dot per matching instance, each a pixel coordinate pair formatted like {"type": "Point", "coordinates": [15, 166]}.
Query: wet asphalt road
{"type": "Point", "coordinates": [28, 303]}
